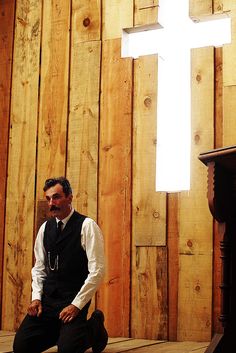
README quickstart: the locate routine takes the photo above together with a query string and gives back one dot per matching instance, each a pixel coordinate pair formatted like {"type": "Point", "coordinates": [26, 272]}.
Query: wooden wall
{"type": "Point", "coordinates": [70, 105]}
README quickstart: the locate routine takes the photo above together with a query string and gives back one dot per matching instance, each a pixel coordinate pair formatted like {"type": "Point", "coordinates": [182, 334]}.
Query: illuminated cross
{"type": "Point", "coordinates": [172, 38]}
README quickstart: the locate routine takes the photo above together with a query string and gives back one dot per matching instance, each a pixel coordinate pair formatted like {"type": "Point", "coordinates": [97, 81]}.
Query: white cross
{"type": "Point", "coordinates": [172, 38]}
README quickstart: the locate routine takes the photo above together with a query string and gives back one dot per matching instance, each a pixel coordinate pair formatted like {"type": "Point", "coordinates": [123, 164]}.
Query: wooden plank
{"type": "Point", "coordinates": [195, 221]}
{"type": "Point", "coordinates": [145, 12]}
{"type": "Point", "coordinates": [86, 20]}
{"type": "Point", "coordinates": [7, 16]}
{"type": "Point", "coordinates": [229, 80]}
{"type": "Point", "coordinates": [173, 264]}
{"type": "Point", "coordinates": [54, 88]}
{"type": "Point", "coordinates": [171, 347]}
{"type": "Point", "coordinates": [218, 6]}
{"type": "Point", "coordinates": [21, 164]}
{"type": "Point", "coordinates": [217, 327]}
{"type": "Point", "coordinates": [6, 342]}
{"type": "Point", "coordinates": [117, 14]}
{"type": "Point", "coordinates": [118, 339]}
{"type": "Point", "coordinates": [149, 208]}
{"type": "Point", "coordinates": [82, 144]}
{"type": "Point", "coordinates": [200, 7]}
{"type": "Point", "coordinates": [134, 344]}
{"type": "Point", "coordinates": [229, 50]}
{"type": "Point", "coordinates": [149, 293]}
{"type": "Point", "coordinates": [218, 98]}
{"type": "Point", "coordinates": [82, 156]}
{"type": "Point", "coordinates": [7, 333]}
{"type": "Point", "coordinates": [120, 344]}
{"type": "Point", "coordinates": [115, 185]}
{"type": "Point", "coordinates": [229, 121]}
{"type": "Point", "coordinates": [149, 264]}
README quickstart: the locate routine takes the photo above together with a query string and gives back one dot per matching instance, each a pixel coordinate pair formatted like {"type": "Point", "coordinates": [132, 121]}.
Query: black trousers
{"type": "Point", "coordinates": [37, 334]}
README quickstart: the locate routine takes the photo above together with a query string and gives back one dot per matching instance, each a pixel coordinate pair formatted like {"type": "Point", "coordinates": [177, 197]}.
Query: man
{"type": "Point", "coordinates": [69, 266]}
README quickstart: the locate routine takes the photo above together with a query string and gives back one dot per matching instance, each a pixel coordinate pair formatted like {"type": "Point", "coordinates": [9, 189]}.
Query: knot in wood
{"type": "Point", "coordinates": [197, 138]}
{"type": "Point", "coordinates": [156, 214]}
{"type": "Point", "coordinates": [197, 288]}
{"type": "Point", "coordinates": [147, 102]}
{"type": "Point", "coordinates": [189, 243]}
{"type": "Point", "coordinates": [198, 78]}
{"type": "Point", "coordinates": [86, 22]}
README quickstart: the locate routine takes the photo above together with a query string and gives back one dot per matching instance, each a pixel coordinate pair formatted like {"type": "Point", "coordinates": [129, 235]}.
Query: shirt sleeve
{"type": "Point", "coordinates": [38, 271]}
{"type": "Point", "coordinates": [93, 244]}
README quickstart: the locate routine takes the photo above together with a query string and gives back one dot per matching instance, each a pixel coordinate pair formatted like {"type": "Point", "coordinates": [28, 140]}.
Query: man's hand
{"type": "Point", "coordinates": [69, 313]}
{"type": "Point", "coordinates": [35, 308]}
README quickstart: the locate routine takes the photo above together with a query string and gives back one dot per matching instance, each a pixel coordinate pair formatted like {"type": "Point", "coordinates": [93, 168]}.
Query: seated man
{"type": "Point", "coordinates": [69, 266]}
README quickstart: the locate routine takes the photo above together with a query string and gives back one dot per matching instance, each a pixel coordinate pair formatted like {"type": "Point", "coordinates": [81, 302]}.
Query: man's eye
{"type": "Point", "coordinates": [56, 197]}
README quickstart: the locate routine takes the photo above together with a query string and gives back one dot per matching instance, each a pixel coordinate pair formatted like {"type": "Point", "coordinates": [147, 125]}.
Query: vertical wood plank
{"type": "Point", "coordinates": [218, 126]}
{"type": "Point", "coordinates": [195, 221]}
{"type": "Point", "coordinates": [21, 165]}
{"type": "Point", "coordinates": [148, 211]}
{"type": "Point", "coordinates": [82, 156]}
{"type": "Point", "coordinates": [229, 50]}
{"type": "Point", "coordinates": [229, 121]}
{"type": "Point", "coordinates": [218, 98]}
{"type": "Point", "coordinates": [7, 16]}
{"type": "Point", "coordinates": [117, 14]}
{"type": "Point", "coordinates": [218, 6]}
{"type": "Point", "coordinates": [149, 207]}
{"type": "Point", "coordinates": [145, 12]}
{"type": "Point", "coordinates": [114, 185]}
{"type": "Point", "coordinates": [52, 131]}
{"type": "Point", "coordinates": [86, 20]}
{"type": "Point", "coordinates": [229, 79]}
{"type": "Point", "coordinates": [173, 264]}
{"type": "Point", "coordinates": [83, 127]}
{"type": "Point", "coordinates": [200, 7]}
{"type": "Point", "coordinates": [150, 321]}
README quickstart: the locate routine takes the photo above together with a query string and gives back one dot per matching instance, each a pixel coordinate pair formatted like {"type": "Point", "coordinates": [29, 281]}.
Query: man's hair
{"type": "Point", "coordinates": [60, 180]}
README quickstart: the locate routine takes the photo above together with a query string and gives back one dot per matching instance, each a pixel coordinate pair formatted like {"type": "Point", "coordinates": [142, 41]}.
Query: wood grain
{"type": "Point", "coordinates": [54, 83]}
{"type": "Point", "coordinates": [21, 164]}
{"type": "Point", "coordinates": [149, 293]}
{"type": "Point", "coordinates": [114, 208]}
{"type": "Point", "coordinates": [117, 14]}
{"type": "Point", "coordinates": [149, 207]}
{"type": "Point", "coordinates": [82, 156]}
{"type": "Point", "coordinates": [195, 221]}
{"type": "Point", "coordinates": [145, 12]}
{"type": "Point", "coordinates": [173, 264]}
{"type": "Point", "coordinates": [7, 16]}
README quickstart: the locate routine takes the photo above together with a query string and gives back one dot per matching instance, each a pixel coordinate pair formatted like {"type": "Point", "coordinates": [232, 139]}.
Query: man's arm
{"type": "Point", "coordinates": [93, 244]}
{"type": "Point", "coordinates": [38, 274]}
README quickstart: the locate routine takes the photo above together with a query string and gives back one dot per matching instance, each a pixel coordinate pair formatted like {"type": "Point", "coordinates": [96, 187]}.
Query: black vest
{"type": "Point", "coordinates": [67, 263]}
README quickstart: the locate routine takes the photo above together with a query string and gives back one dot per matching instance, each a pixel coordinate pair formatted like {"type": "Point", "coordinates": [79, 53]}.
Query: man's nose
{"type": "Point", "coordinates": [50, 201]}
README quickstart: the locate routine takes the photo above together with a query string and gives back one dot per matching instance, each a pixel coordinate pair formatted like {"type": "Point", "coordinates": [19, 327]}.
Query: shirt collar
{"type": "Point", "coordinates": [65, 220]}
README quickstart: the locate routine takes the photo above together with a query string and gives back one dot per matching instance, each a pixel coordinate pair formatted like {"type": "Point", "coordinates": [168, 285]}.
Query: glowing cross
{"type": "Point", "coordinates": [172, 38]}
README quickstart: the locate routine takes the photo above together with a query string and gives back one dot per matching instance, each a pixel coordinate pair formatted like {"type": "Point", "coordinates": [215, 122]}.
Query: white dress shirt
{"type": "Point", "coordinates": [92, 242]}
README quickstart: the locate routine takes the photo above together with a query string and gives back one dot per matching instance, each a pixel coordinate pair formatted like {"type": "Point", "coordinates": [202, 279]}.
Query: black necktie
{"type": "Point", "coordinates": [59, 228]}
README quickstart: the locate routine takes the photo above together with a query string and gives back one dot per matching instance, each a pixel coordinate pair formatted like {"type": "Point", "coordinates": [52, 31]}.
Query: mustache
{"type": "Point", "coordinates": [54, 208]}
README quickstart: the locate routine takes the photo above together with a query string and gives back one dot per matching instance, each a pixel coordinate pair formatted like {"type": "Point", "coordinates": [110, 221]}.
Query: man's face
{"type": "Point", "coordinates": [59, 204]}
